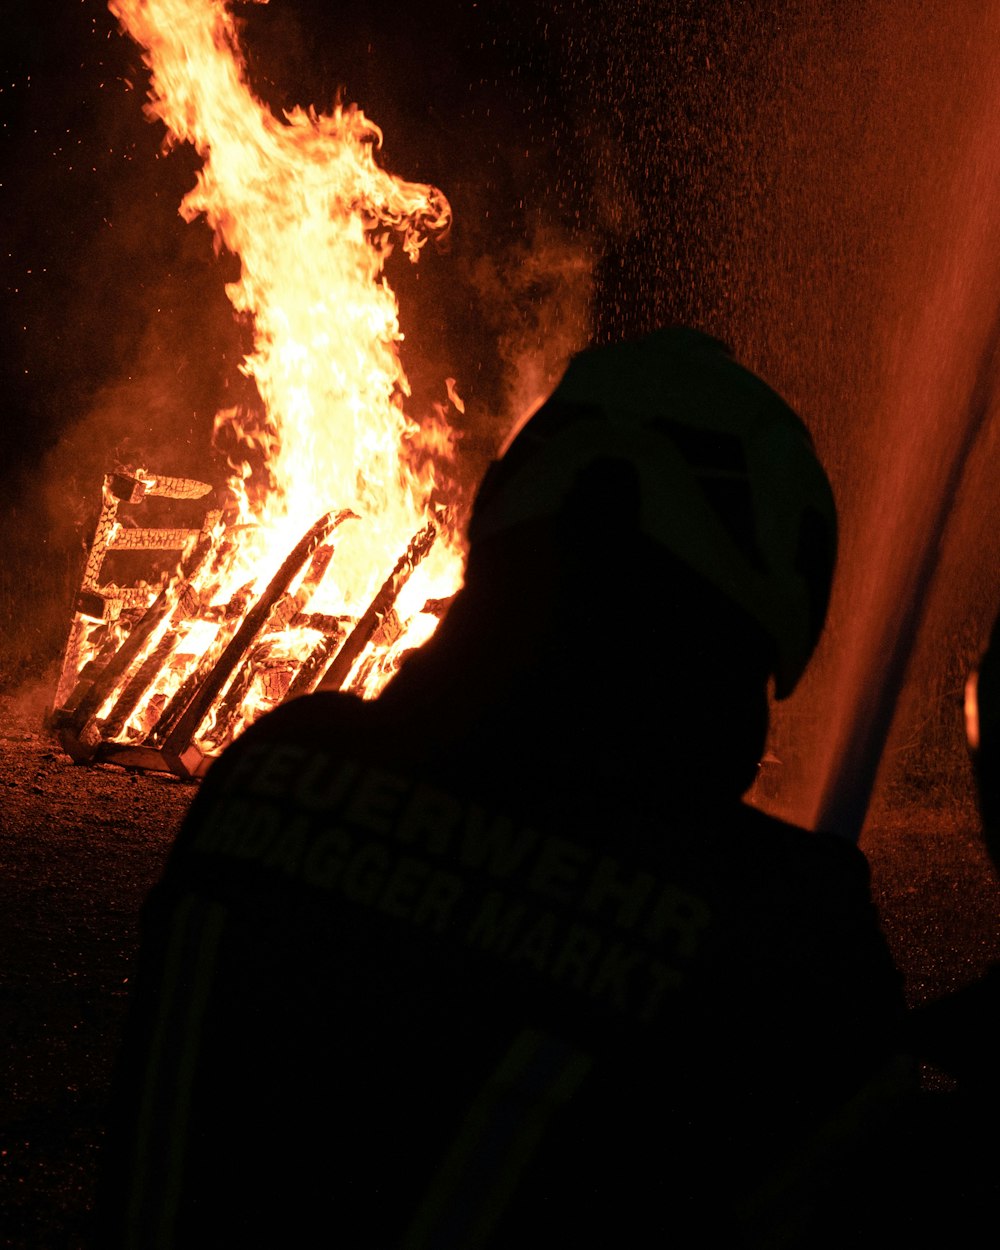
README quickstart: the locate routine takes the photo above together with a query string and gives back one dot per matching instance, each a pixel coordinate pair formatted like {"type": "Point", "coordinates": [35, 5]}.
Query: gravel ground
{"type": "Point", "coordinates": [80, 847]}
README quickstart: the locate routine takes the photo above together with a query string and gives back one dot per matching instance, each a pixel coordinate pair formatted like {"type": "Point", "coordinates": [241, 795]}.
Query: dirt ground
{"type": "Point", "coordinates": [80, 847]}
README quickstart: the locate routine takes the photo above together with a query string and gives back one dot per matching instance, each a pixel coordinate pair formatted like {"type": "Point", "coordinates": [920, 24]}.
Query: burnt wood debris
{"type": "Point", "coordinates": [117, 624]}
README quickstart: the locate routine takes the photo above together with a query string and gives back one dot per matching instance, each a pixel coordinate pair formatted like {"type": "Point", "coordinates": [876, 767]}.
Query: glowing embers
{"type": "Point", "coordinates": [162, 668]}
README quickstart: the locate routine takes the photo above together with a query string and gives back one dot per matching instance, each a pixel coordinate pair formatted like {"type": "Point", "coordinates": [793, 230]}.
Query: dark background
{"type": "Point", "coordinates": [804, 183]}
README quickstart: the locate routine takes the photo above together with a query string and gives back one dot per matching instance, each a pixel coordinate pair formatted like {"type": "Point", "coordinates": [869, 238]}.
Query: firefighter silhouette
{"type": "Point", "coordinates": [501, 958]}
{"type": "Point", "coordinates": [952, 1142]}
{"type": "Point", "coordinates": [983, 726]}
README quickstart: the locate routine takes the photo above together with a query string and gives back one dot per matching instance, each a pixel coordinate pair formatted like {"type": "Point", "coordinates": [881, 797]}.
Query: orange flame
{"type": "Point", "coordinates": [304, 205]}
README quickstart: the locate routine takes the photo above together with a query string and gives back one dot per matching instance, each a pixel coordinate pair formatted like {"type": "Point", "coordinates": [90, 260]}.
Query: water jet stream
{"type": "Point", "coordinates": [855, 758]}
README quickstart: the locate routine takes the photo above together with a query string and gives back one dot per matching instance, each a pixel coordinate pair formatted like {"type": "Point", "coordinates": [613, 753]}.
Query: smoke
{"type": "Point", "coordinates": [540, 292]}
{"type": "Point", "coordinates": [137, 387]}
{"type": "Point", "coordinates": [25, 708]}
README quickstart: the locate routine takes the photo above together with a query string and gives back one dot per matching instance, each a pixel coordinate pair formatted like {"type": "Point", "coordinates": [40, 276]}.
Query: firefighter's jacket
{"type": "Point", "coordinates": [383, 1004]}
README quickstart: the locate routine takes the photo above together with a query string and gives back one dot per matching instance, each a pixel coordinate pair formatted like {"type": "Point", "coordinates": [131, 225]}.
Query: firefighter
{"type": "Point", "coordinates": [959, 1033]}
{"type": "Point", "coordinates": [983, 724]}
{"type": "Point", "coordinates": [501, 959]}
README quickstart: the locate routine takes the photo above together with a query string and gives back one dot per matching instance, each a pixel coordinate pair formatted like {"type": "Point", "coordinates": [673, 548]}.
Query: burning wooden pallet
{"type": "Point", "coordinates": [125, 638]}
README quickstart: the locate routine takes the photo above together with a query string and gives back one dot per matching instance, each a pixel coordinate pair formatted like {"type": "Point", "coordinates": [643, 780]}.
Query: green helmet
{"type": "Point", "coordinates": [728, 477]}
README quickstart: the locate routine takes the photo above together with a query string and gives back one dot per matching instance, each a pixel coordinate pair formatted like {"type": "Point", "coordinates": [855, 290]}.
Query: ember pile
{"type": "Point", "coordinates": [199, 607]}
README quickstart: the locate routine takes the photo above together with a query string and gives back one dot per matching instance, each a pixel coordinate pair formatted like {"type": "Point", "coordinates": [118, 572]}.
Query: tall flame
{"type": "Point", "coordinates": [313, 218]}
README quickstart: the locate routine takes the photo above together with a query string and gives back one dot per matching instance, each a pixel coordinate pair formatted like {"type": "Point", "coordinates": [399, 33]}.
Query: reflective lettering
{"type": "Point", "coordinates": [321, 785]}
{"type": "Point", "coordinates": [325, 859]}
{"type": "Point", "coordinates": [403, 886]}
{"type": "Point", "coordinates": [576, 956]}
{"type": "Point", "coordinates": [376, 800]}
{"type": "Point", "coordinates": [613, 973]}
{"type": "Point", "coordinates": [289, 847]}
{"type": "Point", "coordinates": [534, 946]}
{"type": "Point", "coordinates": [273, 778]}
{"type": "Point", "coordinates": [246, 762]}
{"type": "Point", "coordinates": [557, 869]}
{"type": "Point", "coordinates": [496, 924]}
{"type": "Point", "coordinates": [628, 895]}
{"type": "Point", "coordinates": [431, 816]}
{"type": "Point", "coordinates": [490, 842]}
{"type": "Point", "coordinates": [684, 915]}
{"type": "Point", "coordinates": [262, 825]}
{"type": "Point", "coordinates": [438, 901]}
{"type": "Point", "coordinates": [224, 820]}
{"type": "Point", "coordinates": [664, 978]}
{"type": "Point", "coordinates": [364, 874]}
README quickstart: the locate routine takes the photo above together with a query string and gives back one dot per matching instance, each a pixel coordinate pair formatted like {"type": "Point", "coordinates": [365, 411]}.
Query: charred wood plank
{"type": "Point", "coordinates": [108, 603]}
{"type": "Point", "coordinates": [130, 755]}
{"type": "Point", "coordinates": [137, 686]}
{"type": "Point", "coordinates": [69, 673]}
{"type": "Point", "coordinates": [275, 679]}
{"type": "Point", "coordinates": [345, 659]}
{"type": "Point", "coordinates": [145, 538]}
{"type": "Point", "coordinates": [287, 610]}
{"type": "Point", "coordinates": [232, 701]}
{"type": "Point", "coordinates": [438, 607]}
{"type": "Point", "coordinates": [254, 623]}
{"type": "Point", "coordinates": [176, 487]}
{"type": "Point", "coordinates": [106, 524]}
{"type": "Point", "coordinates": [388, 631]}
{"type": "Point", "coordinates": [87, 675]}
{"type": "Point", "coordinates": [313, 667]}
{"type": "Point", "coordinates": [291, 605]}
{"type": "Point", "coordinates": [232, 610]}
{"type": "Point", "coordinates": [132, 486]}
{"type": "Point", "coordinates": [188, 688]}
{"type": "Point", "coordinates": [316, 571]}
{"type": "Point", "coordinates": [191, 764]}
{"type": "Point", "coordinates": [188, 602]}
{"type": "Point", "coordinates": [132, 646]}
{"type": "Point", "coordinates": [125, 486]}
{"type": "Point", "coordinates": [323, 622]}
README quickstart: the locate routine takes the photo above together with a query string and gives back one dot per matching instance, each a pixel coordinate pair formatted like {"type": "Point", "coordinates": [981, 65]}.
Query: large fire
{"type": "Point", "coordinates": [303, 204]}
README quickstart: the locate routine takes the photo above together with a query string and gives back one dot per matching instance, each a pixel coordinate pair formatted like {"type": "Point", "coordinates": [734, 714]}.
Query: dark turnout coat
{"type": "Point", "coordinates": [387, 1000]}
